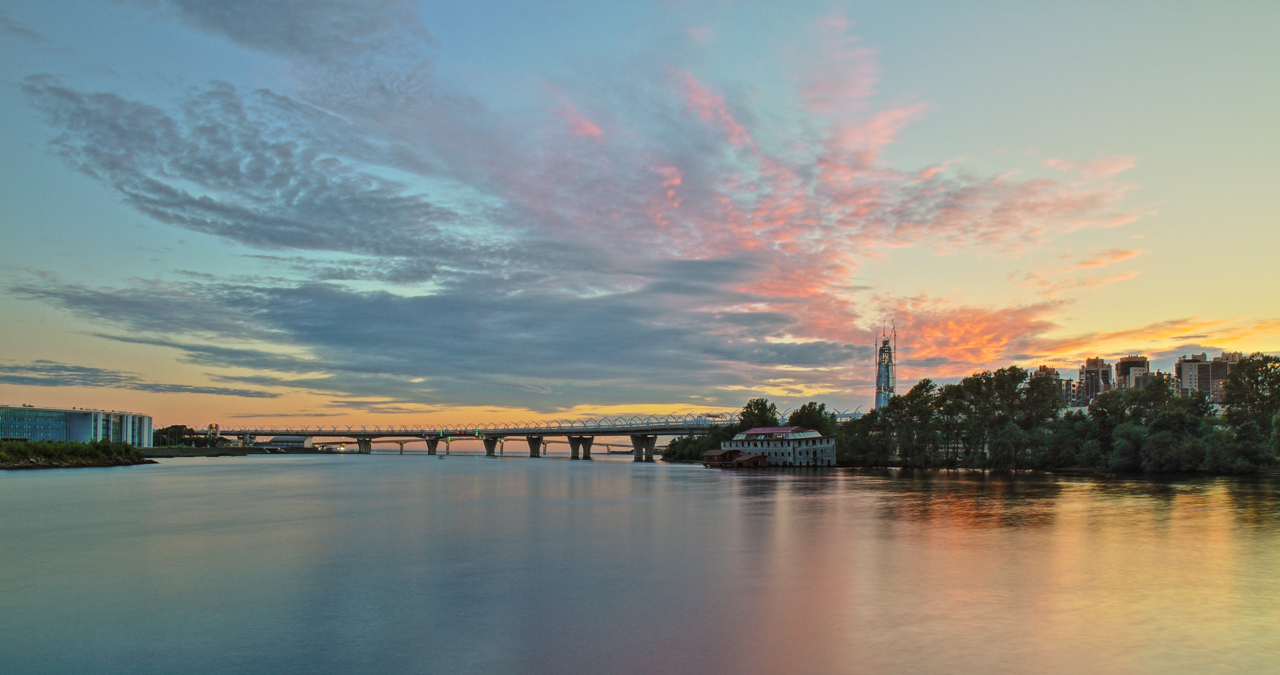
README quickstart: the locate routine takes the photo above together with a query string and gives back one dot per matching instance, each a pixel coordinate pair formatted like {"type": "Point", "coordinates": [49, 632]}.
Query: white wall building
{"type": "Point", "coordinates": [786, 446]}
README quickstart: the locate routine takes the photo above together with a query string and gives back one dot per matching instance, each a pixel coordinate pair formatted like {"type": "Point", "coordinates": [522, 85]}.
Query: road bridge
{"type": "Point", "coordinates": [643, 431]}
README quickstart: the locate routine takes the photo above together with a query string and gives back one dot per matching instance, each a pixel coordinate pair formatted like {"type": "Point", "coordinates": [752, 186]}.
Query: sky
{"type": "Point", "coordinates": [386, 212]}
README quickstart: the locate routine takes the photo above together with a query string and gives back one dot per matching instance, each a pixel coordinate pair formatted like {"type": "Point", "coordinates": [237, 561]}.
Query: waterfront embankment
{"type": "Point", "coordinates": [22, 455]}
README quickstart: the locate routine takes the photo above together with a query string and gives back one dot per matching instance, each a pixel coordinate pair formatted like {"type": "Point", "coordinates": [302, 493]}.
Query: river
{"type": "Point", "coordinates": [467, 564]}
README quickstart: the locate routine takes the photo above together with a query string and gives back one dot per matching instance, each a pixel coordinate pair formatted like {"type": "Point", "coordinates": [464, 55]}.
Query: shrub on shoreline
{"type": "Point", "coordinates": [66, 451]}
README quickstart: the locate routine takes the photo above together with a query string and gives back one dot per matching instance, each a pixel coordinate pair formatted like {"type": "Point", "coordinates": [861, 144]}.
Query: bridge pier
{"type": "Point", "coordinates": [402, 446]}
{"type": "Point", "coordinates": [643, 447]}
{"type": "Point", "coordinates": [490, 445]}
{"type": "Point", "coordinates": [364, 445]}
{"type": "Point", "coordinates": [535, 445]}
{"type": "Point", "coordinates": [580, 444]}
{"type": "Point", "coordinates": [432, 444]}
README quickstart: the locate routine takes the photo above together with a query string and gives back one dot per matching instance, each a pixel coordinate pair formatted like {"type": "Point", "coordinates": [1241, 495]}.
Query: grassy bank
{"type": "Point", "coordinates": [65, 454]}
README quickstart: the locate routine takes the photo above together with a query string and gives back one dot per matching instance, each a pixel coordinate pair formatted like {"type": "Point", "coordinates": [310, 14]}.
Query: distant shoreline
{"type": "Point", "coordinates": [37, 463]}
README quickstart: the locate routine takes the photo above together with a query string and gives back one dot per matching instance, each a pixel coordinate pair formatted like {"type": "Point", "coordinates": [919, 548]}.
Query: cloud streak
{"type": "Point", "coordinates": [43, 373]}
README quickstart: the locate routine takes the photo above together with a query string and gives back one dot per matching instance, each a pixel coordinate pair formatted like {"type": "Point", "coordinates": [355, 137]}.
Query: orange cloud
{"type": "Point", "coordinates": [940, 339]}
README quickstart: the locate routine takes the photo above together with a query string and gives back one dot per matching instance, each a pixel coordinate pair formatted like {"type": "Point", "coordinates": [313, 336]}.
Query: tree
{"type": "Point", "coordinates": [814, 415]}
{"type": "Point", "coordinates": [1252, 391]}
{"type": "Point", "coordinates": [181, 435]}
{"type": "Point", "coordinates": [1242, 449]}
{"type": "Point", "coordinates": [1127, 443]}
{"type": "Point", "coordinates": [758, 412]}
{"type": "Point", "coordinates": [863, 441]}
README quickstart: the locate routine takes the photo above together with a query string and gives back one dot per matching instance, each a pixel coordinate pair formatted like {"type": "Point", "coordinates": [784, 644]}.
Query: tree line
{"type": "Point", "coordinates": [1014, 419]}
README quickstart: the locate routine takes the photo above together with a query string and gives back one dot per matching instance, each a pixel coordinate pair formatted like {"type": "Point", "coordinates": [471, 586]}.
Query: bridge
{"type": "Point", "coordinates": [643, 431]}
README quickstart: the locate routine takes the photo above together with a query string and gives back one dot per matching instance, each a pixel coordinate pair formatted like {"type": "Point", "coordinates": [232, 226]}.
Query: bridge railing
{"type": "Point", "coordinates": [591, 425]}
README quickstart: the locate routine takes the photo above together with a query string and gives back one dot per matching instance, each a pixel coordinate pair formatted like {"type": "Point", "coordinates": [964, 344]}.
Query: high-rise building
{"type": "Point", "coordinates": [1066, 387]}
{"type": "Point", "coordinates": [1095, 378]}
{"type": "Point", "coordinates": [1200, 373]}
{"type": "Point", "coordinates": [885, 369]}
{"type": "Point", "coordinates": [1143, 380]}
{"type": "Point", "coordinates": [1129, 367]}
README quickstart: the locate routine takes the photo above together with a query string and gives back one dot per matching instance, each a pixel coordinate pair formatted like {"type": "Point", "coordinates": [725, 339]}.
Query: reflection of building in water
{"type": "Point", "coordinates": [777, 446]}
{"type": "Point", "coordinates": [885, 368]}
{"type": "Point", "coordinates": [28, 423]}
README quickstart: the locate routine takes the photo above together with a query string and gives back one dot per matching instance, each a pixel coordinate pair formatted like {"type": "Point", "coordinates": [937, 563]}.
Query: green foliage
{"type": "Point", "coordinates": [1242, 449]}
{"type": "Point", "coordinates": [182, 435]}
{"type": "Point", "coordinates": [1126, 447]}
{"type": "Point", "coordinates": [1252, 391]}
{"type": "Point", "coordinates": [758, 412]}
{"type": "Point", "coordinates": [864, 441]}
{"type": "Point", "coordinates": [1012, 419]}
{"type": "Point", "coordinates": [66, 451]}
{"type": "Point", "coordinates": [690, 448]}
{"type": "Point", "coordinates": [814, 415]}
{"type": "Point", "coordinates": [1171, 452]}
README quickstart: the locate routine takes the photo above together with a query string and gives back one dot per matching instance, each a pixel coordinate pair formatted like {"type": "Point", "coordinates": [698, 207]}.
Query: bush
{"type": "Point", "coordinates": [1243, 450]}
{"type": "Point", "coordinates": [1126, 447]}
{"type": "Point", "coordinates": [1167, 452]}
{"type": "Point", "coordinates": [66, 451]}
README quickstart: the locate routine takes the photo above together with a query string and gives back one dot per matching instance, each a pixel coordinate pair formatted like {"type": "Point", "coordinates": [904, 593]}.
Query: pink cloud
{"type": "Point", "coordinates": [700, 34]}
{"type": "Point", "coordinates": [1098, 169]}
{"type": "Point", "coordinates": [845, 75]}
{"type": "Point", "coordinates": [687, 177]}
{"type": "Point", "coordinates": [579, 124]}
{"type": "Point", "coordinates": [710, 107]}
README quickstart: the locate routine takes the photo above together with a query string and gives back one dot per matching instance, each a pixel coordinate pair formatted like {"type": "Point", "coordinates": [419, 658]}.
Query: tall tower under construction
{"type": "Point", "coordinates": [885, 367]}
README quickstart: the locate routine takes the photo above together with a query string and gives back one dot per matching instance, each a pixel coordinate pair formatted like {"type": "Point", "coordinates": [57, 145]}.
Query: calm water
{"type": "Point", "coordinates": [390, 564]}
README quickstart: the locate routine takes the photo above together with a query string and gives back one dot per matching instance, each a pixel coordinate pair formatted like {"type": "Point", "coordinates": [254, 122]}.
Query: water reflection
{"type": "Point", "coordinates": [484, 565]}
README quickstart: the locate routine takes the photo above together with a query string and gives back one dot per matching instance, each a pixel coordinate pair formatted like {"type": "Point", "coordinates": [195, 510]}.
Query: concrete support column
{"type": "Point", "coordinates": [535, 445]}
{"type": "Point", "coordinates": [490, 446]}
{"type": "Point", "coordinates": [401, 443]}
{"type": "Point", "coordinates": [643, 447]}
{"type": "Point", "coordinates": [586, 446]}
{"type": "Point", "coordinates": [365, 445]}
{"type": "Point", "coordinates": [432, 444]}
{"type": "Point", "coordinates": [575, 443]}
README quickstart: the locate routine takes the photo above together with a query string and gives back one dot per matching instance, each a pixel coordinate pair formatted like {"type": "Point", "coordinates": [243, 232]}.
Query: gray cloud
{"type": "Point", "coordinates": [541, 350]}
{"type": "Point", "coordinates": [42, 373]}
{"type": "Point", "coordinates": [9, 26]}
{"type": "Point", "coordinates": [324, 30]}
{"type": "Point", "coordinates": [230, 169]}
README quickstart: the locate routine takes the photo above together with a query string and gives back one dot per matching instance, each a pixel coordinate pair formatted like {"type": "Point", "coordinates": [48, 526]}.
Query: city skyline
{"type": "Point", "coordinates": [383, 211]}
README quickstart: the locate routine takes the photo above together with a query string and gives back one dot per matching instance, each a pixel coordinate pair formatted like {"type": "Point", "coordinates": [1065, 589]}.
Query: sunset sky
{"type": "Point", "coordinates": [386, 212]}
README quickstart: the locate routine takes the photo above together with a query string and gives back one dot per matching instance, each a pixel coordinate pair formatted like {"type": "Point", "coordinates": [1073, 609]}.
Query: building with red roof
{"type": "Point", "coordinates": [784, 446]}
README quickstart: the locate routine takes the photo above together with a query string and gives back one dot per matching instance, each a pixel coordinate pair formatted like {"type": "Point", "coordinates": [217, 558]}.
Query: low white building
{"type": "Point", "coordinates": [786, 446]}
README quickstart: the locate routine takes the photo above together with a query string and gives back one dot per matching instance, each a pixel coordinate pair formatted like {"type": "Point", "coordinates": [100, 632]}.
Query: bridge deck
{"type": "Point", "coordinates": [624, 426]}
